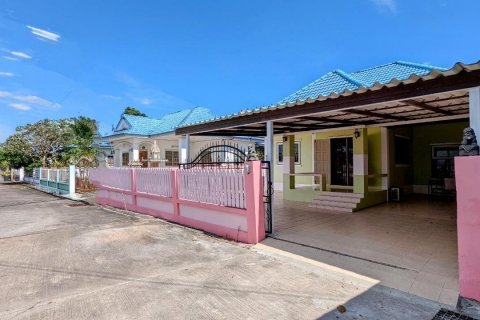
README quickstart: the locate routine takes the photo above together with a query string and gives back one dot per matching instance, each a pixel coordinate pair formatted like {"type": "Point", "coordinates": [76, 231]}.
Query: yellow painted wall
{"type": "Point", "coordinates": [306, 158]}
{"type": "Point", "coordinates": [305, 193]}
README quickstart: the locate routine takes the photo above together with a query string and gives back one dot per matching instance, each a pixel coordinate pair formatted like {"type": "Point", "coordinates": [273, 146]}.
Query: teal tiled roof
{"type": "Point", "coordinates": [145, 126]}
{"type": "Point", "coordinates": [339, 81]}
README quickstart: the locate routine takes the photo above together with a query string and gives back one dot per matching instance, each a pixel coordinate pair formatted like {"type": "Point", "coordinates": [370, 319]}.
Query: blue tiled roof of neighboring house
{"type": "Point", "coordinates": [146, 126]}
{"type": "Point", "coordinates": [339, 81]}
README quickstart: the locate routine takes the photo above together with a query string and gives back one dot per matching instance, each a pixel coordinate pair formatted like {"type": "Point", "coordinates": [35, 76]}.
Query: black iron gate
{"type": "Point", "coordinates": [219, 154]}
{"type": "Point", "coordinates": [267, 195]}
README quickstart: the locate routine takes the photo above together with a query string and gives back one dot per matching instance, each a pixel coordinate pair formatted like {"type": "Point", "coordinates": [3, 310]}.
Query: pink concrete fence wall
{"type": "Point", "coordinates": [467, 176]}
{"type": "Point", "coordinates": [226, 202]}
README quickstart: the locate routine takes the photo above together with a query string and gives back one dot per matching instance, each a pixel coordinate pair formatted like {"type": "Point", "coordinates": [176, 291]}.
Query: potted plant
{"type": "Point", "coordinates": [7, 175]}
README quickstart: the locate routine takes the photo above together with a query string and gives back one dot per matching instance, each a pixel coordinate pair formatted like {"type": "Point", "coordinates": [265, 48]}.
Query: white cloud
{"type": "Point", "coordinates": [145, 101]}
{"type": "Point", "coordinates": [109, 96]}
{"type": "Point", "coordinates": [44, 34]}
{"type": "Point", "coordinates": [389, 5]}
{"type": "Point", "coordinates": [33, 100]}
{"type": "Point", "coordinates": [6, 74]}
{"type": "Point", "coordinates": [19, 106]}
{"type": "Point", "coordinates": [10, 58]}
{"type": "Point", "coordinates": [20, 54]}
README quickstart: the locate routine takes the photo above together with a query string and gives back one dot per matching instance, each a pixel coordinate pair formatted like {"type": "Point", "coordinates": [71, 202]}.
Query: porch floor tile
{"type": "Point", "coordinates": [410, 246]}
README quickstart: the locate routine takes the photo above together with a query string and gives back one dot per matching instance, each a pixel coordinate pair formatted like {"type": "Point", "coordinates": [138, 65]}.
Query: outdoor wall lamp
{"type": "Point", "coordinates": [284, 138]}
{"type": "Point", "coordinates": [356, 134]}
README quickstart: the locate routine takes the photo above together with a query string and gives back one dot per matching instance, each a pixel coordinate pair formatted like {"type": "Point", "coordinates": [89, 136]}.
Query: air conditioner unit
{"type": "Point", "coordinates": [395, 194]}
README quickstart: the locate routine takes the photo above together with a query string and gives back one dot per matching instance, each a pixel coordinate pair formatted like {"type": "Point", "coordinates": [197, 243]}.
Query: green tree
{"type": "Point", "coordinates": [17, 152]}
{"type": "Point", "coordinates": [41, 142]}
{"type": "Point", "coordinates": [50, 142]}
{"type": "Point", "coordinates": [83, 133]}
{"type": "Point", "coordinates": [134, 112]}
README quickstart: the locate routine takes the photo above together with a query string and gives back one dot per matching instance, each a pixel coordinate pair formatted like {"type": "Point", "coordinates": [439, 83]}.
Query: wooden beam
{"type": "Point", "coordinates": [425, 106]}
{"type": "Point", "coordinates": [328, 119]}
{"type": "Point", "coordinates": [292, 124]}
{"type": "Point", "coordinates": [458, 81]}
{"type": "Point", "coordinates": [376, 114]}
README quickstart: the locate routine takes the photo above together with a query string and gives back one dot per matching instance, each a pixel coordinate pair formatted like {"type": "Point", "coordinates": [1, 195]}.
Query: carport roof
{"type": "Point", "coordinates": [379, 95]}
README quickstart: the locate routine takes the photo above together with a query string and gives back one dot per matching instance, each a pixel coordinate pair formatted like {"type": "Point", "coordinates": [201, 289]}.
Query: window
{"type": "Point", "coordinates": [171, 157]}
{"type": "Point", "coordinates": [280, 153]}
{"type": "Point", "coordinates": [125, 158]}
{"type": "Point", "coordinates": [296, 151]}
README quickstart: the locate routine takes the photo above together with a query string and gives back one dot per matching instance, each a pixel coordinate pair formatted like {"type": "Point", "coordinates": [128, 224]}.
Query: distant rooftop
{"type": "Point", "coordinates": [145, 126]}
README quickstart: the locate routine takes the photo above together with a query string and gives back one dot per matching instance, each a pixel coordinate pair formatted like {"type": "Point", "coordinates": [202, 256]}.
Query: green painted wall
{"type": "Point", "coordinates": [306, 162]}
{"type": "Point", "coordinates": [423, 137]}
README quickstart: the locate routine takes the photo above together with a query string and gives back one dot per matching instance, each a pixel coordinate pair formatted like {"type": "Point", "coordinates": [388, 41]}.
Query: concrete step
{"type": "Point", "coordinates": [342, 194]}
{"type": "Point", "coordinates": [339, 204]}
{"type": "Point", "coordinates": [329, 208]}
{"type": "Point", "coordinates": [337, 199]}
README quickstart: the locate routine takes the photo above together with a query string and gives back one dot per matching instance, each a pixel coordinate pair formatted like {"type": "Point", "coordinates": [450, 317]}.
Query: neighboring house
{"type": "Point", "coordinates": [330, 138]}
{"type": "Point", "coordinates": [153, 141]}
{"type": "Point", "coordinates": [104, 151]}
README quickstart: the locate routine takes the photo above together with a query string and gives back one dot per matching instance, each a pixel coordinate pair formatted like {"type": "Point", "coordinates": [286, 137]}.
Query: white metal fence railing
{"type": "Point", "coordinates": [217, 186]}
{"type": "Point", "coordinates": [156, 181]}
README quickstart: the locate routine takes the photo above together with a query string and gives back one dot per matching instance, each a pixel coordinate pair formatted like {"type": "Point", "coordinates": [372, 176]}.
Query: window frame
{"type": "Point", "coordinates": [172, 164]}
{"type": "Point", "coordinates": [299, 153]}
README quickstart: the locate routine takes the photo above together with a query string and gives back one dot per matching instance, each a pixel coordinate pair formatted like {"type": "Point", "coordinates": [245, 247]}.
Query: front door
{"type": "Point", "coordinates": [144, 158]}
{"type": "Point", "coordinates": [341, 157]}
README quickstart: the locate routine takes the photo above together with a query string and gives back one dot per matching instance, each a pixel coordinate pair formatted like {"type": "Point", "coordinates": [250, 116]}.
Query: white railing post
{"type": "Point", "coordinates": [71, 179]}
{"type": "Point", "coordinates": [21, 173]}
{"type": "Point", "coordinates": [48, 174]}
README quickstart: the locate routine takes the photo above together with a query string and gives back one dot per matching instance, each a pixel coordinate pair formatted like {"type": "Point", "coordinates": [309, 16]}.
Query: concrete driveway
{"type": "Point", "coordinates": [83, 262]}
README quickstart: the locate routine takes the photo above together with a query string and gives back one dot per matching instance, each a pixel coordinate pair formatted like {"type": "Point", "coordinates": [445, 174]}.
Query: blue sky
{"type": "Point", "coordinates": [94, 58]}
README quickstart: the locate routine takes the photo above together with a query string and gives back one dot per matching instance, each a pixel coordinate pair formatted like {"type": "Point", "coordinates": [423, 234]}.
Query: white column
{"type": "Point", "coordinates": [71, 179]}
{"type": "Point", "coordinates": [21, 173]}
{"type": "Point", "coordinates": [474, 104]}
{"type": "Point", "coordinates": [269, 143]}
{"type": "Point", "coordinates": [187, 147]}
{"type": "Point", "coordinates": [135, 152]}
{"type": "Point", "coordinates": [184, 147]}
{"type": "Point", "coordinates": [270, 156]}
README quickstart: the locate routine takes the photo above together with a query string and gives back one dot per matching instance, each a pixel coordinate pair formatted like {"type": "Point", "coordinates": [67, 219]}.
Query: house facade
{"type": "Point", "coordinates": [150, 142]}
{"type": "Point", "coordinates": [351, 141]}
{"type": "Point", "coordinates": [403, 146]}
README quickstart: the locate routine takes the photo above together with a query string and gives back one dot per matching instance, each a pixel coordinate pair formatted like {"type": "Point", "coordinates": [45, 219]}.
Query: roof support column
{"type": "Point", "coordinates": [184, 145]}
{"type": "Point", "coordinates": [269, 144]}
{"type": "Point", "coordinates": [474, 105]}
{"type": "Point", "coordinates": [269, 156]}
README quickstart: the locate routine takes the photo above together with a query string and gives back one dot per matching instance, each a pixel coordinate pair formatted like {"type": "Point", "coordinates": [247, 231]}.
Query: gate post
{"type": "Point", "coordinates": [175, 192]}
{"type": "Point", "coordinates": [254, 202]}
{"type": "Point", "coordinates": [71, 178]}
{"type": "Point", "coordinates": [467, 176]}
{"type": "Point", "coordinates": [134, 187]}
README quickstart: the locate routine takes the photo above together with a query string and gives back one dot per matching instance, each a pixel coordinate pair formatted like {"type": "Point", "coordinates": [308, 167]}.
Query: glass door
{"type": "Point", "coordinates": [341, 157]}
